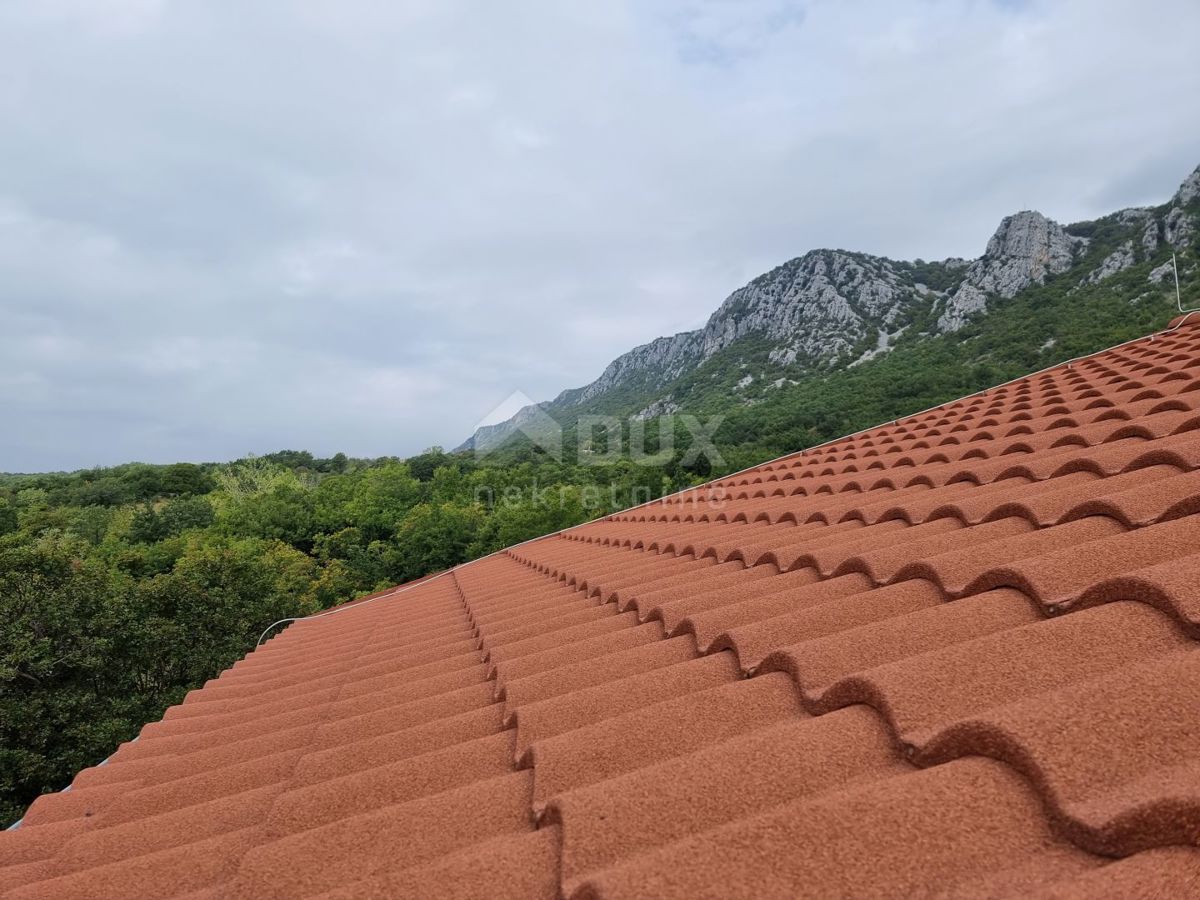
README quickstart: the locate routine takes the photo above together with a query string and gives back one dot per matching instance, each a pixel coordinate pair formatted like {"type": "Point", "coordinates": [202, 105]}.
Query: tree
{"type": "Point", "coordinates": [186, 478]}
{"type": "Point", "coordinates": [253, 475]}
{"type": "Point", "coordinates": [184, 626]}
{"type": "Point", "coordinates": [425, 464]}
{"type": "Point", "coordinates": [432, 537]}
{"type": "Point", "coordinates": [332, 499]}
{"type": "Point", "coordinates": [146, 527]}
{"type": "Point", "coordinates": [186, 513]}
{"type": "Point", "coordinates": [286, 512]}
{"type": "Point", "coordinates": [62, 706]}
{"type": "Point", "coordinates": [291, 459]}
{"type": "Point", "coordinates": [511, 523]}
{"type": "Point", "coordinates": [8, 517]}
{"type": "Point", "coordinates": [448, 484]}
{"type": "Point", "coordinates": [381, 499]}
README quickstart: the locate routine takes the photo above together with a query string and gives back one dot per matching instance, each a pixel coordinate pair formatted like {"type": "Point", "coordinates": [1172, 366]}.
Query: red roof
{"type": "Point", "coordinates": [970, 638]}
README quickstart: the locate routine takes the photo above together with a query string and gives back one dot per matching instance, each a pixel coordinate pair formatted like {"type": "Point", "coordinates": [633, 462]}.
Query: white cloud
{"type": "Point", "coordinates": [111, 18]}
{"type": "Point", "coordinates": [227, 228]}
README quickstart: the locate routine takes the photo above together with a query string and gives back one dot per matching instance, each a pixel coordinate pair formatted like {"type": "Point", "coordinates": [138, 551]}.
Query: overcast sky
{"type": "Point", "coordinates": [231, 227]}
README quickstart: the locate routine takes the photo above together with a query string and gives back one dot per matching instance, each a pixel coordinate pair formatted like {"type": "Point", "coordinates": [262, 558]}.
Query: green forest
{"type": "Point", "coordinates": [122, 588]}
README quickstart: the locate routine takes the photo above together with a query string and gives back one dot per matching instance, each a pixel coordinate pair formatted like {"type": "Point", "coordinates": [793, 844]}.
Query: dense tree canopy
{"type": "Point", "coordinates": [122, 588]}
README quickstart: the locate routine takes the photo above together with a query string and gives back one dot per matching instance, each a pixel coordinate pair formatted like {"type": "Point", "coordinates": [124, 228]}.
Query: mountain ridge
{"type": "Point", "coordinates": [831, 309]}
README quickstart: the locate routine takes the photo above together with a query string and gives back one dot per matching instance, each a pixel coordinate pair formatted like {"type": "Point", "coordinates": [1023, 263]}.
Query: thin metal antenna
{"type": "Point", "coordinates": [1178, 296]}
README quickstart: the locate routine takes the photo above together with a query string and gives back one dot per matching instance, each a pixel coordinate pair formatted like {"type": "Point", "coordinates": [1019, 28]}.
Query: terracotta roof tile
{"type": "Point", "coordinates": [564, 713]}
{"type": "Point", "coordinates": [1116, 756]}
{"type": "Point", "coordinates": [418, 831]}
{"type": "Point", "coordinates": [952, 656]}
{"type": "Point", "coordinates": [593, 752]}
{"type": "Point", "coordinates": [1150, 875]}
{"type": "Point", "coordinates": [518, 867]}
{"type": "Point", "coordinates": [599, 670]}
{"type": "Point", "coordinates": [937, 828]}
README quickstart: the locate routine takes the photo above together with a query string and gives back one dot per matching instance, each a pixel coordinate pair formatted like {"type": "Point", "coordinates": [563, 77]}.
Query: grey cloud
{"type": "Point", "coordinates": [234, 227]}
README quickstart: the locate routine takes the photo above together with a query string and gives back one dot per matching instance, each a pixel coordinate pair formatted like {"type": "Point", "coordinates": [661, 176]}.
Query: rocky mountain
{"type": "Point", "coordinates": [812, 309]}
{"type": "Point", "coordinates": [1025, 249]}
{"type": "Point", "coordinates": [835, 309]}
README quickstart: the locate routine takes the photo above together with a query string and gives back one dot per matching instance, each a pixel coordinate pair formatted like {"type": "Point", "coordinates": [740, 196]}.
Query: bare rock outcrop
{"type": "Point", "coordinates": [1160, 273]}
{"type": "Point", "coordinates": [1178, 228]}
{"type": "Point", "coordinates": [1024, 250]}
{"type": "Point", "coordinates": [964, 303]}
{"type": "Point", "coordinates": [1117, 261]}
{"type": "Point", "coordinates": [1189, 190]}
